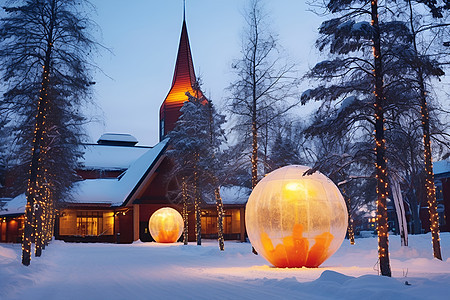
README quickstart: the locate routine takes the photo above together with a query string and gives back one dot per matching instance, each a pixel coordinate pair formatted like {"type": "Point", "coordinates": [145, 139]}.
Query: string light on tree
{"type": "Point", "coordinates": [380, 146]}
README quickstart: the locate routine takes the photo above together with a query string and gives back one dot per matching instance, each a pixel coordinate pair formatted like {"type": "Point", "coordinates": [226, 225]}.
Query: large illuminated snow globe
{"type": "Point", "coordinates": [294, 220]}
{"type": "Point", "coordinates": [166, 225]}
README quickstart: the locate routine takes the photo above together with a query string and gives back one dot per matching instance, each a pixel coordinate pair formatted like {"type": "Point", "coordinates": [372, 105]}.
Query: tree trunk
{"type": "Point", "coordinates": [350, 230]}
{"type": "Point", "coordinates": [198, 223]}
{"type": "Point", "coordinates": [254, 149]}
{"type": "Point", "coordinates": [254, 128]}
{"type": "Point", "coordinates": [429, 180]}
{"type": "Point", "coordinates": [34, 173]}
{"type": "Point", "coordinates": [52, 222]}
{"type": "Point", "coordinates": [430, 188]}
{"type": "Point", "coordinates": [34, 181]}
{"type": "Point", "coordinates": [185, 212]}
{"type": "Point", "coordinates": [27, 232]}
{"type": "Point", "coordinates": [380, 149]}
{"type": "Point", "coordinates": [265, 142]}
{"type": "Point", "coordinates": [47, 221]}
{"type": "Point", "coordinates": [254, 154]}
{"type": "Point", "coordinates": [198, 216]}
{"type": "Point", "coordinates": [35, 168]}
{"type": "Point", "coordinates": [254, 115]}
{"type": "Point", "coordinates": [220, 215]}
{"type": "Point", "coordinates": [39, 229]}
{"type": "Point", "coordinates": [414, 198]}
{"type": "Point", "coordinates": [415, 211]}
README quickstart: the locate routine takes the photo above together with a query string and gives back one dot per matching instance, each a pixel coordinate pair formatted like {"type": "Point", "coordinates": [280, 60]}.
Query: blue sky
{"type": "Point", "coordinates": [143, 36]}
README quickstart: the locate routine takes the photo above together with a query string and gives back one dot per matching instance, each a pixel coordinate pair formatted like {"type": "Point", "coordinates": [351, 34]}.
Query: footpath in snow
{"type": "Point", "coordinates": [160, 271]}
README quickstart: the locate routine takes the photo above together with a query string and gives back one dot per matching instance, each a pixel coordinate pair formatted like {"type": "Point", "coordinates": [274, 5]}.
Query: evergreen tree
{"type": "Point", "coordinates": [394, 74]}
{"type": "Point", "coordinates": [44, 50]}
{"type": "Point", "coordinates": [355, 38]}
{"type": "Point", "coordinates": [195, 149]}
{"type": "Point", "coordinates": [187, 141]}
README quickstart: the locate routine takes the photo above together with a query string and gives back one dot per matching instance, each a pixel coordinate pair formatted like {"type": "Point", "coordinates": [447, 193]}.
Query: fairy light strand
{"type": "Point", "coordinates": [380, 148]}
{"type": "Point", "coordinates": [430, 188]}
{"type": "Point", "coordinates": [220, 215]}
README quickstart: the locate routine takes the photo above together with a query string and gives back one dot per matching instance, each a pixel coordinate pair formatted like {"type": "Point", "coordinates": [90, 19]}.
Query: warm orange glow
{"type": "Point", "coordinates": [294, 220]}
{"type": "Point", "coordinates": [294, 250]}
{"type": "Point", "coordinates": [177, 95]}
{"type": "Point", "coordinates": [183, 81]}
{"type": "Point", "coordinates": [166, 225]}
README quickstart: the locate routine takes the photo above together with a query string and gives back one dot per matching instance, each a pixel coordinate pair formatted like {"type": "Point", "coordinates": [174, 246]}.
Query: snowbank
{"type": "Point", "coordinates": [174, 271]}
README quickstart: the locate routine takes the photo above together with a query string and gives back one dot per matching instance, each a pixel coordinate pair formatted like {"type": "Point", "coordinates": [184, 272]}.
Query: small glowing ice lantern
{"type": "Point", "coordinates": [166, 225]}
{"type": "Point", "coordinates": [294, 220]}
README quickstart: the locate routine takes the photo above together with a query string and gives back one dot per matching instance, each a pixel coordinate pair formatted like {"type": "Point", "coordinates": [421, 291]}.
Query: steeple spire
{"type": "Point", "coordinates": [182, 82]}
{"type": "Point", "coordinates": [184, 68]}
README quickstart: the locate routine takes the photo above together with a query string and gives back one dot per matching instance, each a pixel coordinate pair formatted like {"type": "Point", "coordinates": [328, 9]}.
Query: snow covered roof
{"type": "Point", "coordinates": [117, 191]}
{"type": "Point", "coordinates": [108, 157]}
{"type": "Point", "coordinates": [104, 191]}
{"type": "Point", "coordinates": [441, 167]}
{"type": "Point", "coordinates": [117, 139]}
{"type": "Point", "coordinates": [234, 194]}
{"type": "Point", "coordinates": [14, 206]}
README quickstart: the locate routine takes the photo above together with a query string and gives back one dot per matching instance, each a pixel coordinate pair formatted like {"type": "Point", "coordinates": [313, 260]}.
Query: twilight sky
{"type": "Point", "coordinates": [143, 36]}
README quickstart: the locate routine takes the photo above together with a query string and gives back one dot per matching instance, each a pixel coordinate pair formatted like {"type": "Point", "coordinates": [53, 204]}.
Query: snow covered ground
{"type": "Point", "coordinates": [157, 271]}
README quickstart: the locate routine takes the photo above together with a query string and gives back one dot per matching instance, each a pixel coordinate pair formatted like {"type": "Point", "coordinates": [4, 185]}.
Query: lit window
{"type": "Point", "coordinates": [89, 223]}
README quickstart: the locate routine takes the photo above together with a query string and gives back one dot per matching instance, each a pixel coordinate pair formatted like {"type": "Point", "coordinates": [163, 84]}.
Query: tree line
{"type": "Point", "coordinates": [378, 122]}
{"type": "Point", "coordinates": [379, 119]}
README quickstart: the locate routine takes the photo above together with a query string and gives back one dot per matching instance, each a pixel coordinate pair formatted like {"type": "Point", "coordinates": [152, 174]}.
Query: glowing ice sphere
{"type": "Point", "coordinates": [294, 220]}
{"type": "Point", "coordinates": [166, 225]}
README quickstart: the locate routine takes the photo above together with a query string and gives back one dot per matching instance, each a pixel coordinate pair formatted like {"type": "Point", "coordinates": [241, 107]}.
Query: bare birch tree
{"type": "Point", "coordinates": [264, 87]}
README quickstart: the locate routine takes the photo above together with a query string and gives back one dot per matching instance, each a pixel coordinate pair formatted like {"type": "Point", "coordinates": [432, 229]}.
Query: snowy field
{"type": "Point", "coordinates": [156, 271]}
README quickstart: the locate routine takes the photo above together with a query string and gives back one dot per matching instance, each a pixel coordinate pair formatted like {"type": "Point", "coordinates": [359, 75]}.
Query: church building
{"type": "Point", "coordinates": [123, 184]}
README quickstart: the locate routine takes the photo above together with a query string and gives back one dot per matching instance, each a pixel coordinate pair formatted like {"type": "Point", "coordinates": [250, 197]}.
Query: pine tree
{"type": "Point", "coordinates": [395, 76]}
{"type": "Point", "coordinates": [44, 49]}
{"type": "Point", "coordinates": [351, 37]}
{"type": "Point", "coordinates": [195, 149]}
{"type": "Point", "coordinates": [187, 145]}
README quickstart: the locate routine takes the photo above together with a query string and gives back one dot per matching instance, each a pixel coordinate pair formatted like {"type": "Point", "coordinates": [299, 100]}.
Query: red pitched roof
{"type": "Point", "coordinates": [184, 68]}
{"type": "Point", "coordinates": [182, 82]}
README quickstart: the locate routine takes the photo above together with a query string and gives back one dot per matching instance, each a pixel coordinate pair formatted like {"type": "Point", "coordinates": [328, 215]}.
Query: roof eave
{"type": "Point", "coordinates": [150, 170]}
